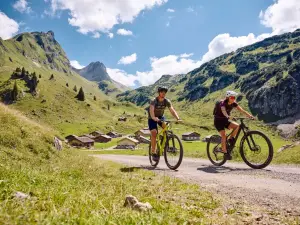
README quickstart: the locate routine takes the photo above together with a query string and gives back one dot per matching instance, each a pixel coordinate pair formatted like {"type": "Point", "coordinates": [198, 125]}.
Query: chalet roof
{"type": "Point", "coordinates": [190, 133]}
{"type": "Point", "coordinates": [130, 139]}
{"type": "Point", "coordinates": [105, 136]}
{"type": "Point", "coordinates": [84, 139]}
{"type": "Point", "coordinates": [144, 131]}
{"type": "Point", "coordinates": [88, 135]}
{"type": "Point", "coordinates": [113, 132]}
{"type": "Point", "coordinates": [71, 135]}
{"type": "Point", "coordinates": [141, 137]}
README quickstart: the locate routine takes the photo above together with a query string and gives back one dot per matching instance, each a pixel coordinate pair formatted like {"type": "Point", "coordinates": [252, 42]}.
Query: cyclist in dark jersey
{"type": "Point", "coordinates": [222, 118]}
{"type": "Point", "coordinates": [156, 116]}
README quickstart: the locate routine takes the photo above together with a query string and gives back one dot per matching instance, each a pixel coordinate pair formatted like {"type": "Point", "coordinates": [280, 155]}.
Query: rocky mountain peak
{"type": "Point", "coordinates": [95, 71]}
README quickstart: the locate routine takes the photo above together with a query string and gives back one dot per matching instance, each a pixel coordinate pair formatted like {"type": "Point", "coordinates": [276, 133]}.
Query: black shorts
{"type": "Point", "coordinates": [153, 124]}
{"type": "Point", "coordinates": [221, 124]}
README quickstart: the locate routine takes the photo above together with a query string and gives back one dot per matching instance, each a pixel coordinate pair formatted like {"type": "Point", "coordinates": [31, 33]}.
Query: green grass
{"type": "Point", "coordinates": [112, 143]}
{"type": "Point", "coordinates": [272, 82]}
{"type": "Point", "coordinates": [264, 65]}
{"type": "Point", "coordinates": [71, 188]}
{"type": "Point", "coordinates": [68, 187]}
{"type": "Point", "coordinates": [285, 74]}
{"type": "Point", "coordinates": [228, 68]}
{"type": "Point", "coordinates": [208, 82]}
{"type": "Point", "coordinates": [256, 51]}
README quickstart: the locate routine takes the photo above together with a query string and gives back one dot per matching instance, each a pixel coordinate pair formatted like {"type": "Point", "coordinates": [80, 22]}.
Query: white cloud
{"type": "Point", "coordinates": [170, 10]}
{"type": "Point", "coordinates": [122, 77]}
{"type": "Point", "coordinates": [224, 43]}
{"type": "Point", "coordinates": [76, 64]}
{"type": "Point", "coordinates": [167, 24]}
{"type": "Point", "coordinates": [22, 6]}
{"type": "Point", "coordinates": [96, 35]}
{"type": "Point", "coordinates": [185, 55]}
{"type": "Point", "coordinates": [8, 27]}
{"type": "Point", "coordinates": [110, 35]}
{"type": "Point", "coordinates": [124, 32]}
{"type": "Point", "coordinates": [125, 60]}
{"type": "Point", "coordinates": [282, 16]}
{"type": "Point", "coordinates": [101, 16]}
{"type": "Point", "coordinates": [190, 9]}
{"type": "Point", "coordinates": [171, 64]}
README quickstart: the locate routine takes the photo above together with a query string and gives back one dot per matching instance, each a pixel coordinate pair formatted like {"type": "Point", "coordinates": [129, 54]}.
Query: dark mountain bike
{"type": "Point", "coordinates": [256, 148]}
{"type": "Point", "coordinates": [168, 145]}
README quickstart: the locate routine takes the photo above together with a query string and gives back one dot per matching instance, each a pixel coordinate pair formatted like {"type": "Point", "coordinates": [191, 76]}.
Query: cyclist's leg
{"type": "Point", "coordinates": [153, 130]}
{"type": "Point", "coordinates": [223, 143]}
{"type": "Point", "coordinates": [161, 118]}
{"type": "Point", "coordinates": [220, 126]}
{"type": "Point", "coordinates": [235, 127]}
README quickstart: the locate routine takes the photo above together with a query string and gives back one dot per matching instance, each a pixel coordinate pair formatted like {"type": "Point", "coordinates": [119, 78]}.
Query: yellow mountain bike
{"type": "Point", "coordinates": [168, 145]}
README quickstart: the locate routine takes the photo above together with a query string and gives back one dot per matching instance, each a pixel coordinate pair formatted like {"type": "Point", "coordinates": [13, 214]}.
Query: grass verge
{"type": "Point", "coordinates": [68, 187]}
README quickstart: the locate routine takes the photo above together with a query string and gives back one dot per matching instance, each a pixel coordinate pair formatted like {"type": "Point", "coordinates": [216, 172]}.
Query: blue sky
{"type": "Point", "coordinates": [165, 36]}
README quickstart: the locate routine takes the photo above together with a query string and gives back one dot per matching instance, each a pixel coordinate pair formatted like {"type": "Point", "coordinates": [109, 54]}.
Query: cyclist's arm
{"type": "Point", "coordinates": [152, 113]}
{"type": "Point", "coordinates": [223, 109]}
{"type": "Point", "coordinates": [173, 112]}
{"type": "Point", "coordinates": [244, 111]}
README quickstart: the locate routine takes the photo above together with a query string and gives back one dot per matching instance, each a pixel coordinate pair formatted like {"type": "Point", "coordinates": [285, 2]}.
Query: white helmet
{"type": "Point", "coordinates": [231, 93]}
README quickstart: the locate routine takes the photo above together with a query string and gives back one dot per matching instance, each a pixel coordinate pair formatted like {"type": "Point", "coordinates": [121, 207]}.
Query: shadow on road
{"type": "Point", "coordinates": [135, 168]}
{"type": "Point", "coordinates": [222, 169]}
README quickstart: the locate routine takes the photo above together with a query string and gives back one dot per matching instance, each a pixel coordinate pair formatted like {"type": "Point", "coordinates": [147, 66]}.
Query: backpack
{"type": "Point", "coordinates": [216, 107]}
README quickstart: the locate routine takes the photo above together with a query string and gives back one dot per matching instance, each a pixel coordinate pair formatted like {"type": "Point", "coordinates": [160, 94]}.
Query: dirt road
{"type": "Point", "coordinates": [275, 188]}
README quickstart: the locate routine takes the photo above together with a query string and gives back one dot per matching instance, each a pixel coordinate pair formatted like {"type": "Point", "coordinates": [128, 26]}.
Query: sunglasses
{"type": "Point", "coordinates": [232, 97]}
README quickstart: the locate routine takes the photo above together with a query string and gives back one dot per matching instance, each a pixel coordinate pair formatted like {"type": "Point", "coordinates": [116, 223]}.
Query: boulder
{"type": "Point", "coordinates": [21, 195]}
{"type": "Point", "coordinates": [133, 203]}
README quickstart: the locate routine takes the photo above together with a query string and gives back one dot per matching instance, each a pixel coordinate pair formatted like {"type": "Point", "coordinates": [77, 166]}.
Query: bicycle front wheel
{"type": "Point", "coordinates": [153, 163]}
{"type": "Point", "coordinates": [173, 151]}
{"type": "Point", "coordinates": [256, 149]}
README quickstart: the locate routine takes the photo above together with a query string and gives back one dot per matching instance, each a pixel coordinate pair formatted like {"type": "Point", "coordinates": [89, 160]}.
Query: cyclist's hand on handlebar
{"type": "Point", "coordinates": [251, 117]}
{"type": "Point", "coordinates": [179, 121]}
{"type": "Point", "coordinates": [232, 118]}
{"type": "Point", "coordinates": [156, 119]}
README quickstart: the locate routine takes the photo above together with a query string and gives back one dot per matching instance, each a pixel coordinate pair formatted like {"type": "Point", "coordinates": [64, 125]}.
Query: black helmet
{"type": "Point", "coordinates": [162, 88]}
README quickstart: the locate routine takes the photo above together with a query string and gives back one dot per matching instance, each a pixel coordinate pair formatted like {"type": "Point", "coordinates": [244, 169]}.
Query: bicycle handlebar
{"type": "Point", "coordinates": [171, 121]}
{"type": "Point", "coordinates": [235, 118]}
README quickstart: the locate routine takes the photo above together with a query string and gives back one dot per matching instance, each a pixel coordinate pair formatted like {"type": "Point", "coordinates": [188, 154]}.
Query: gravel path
{"type": "Point", "coordinates": [272, 193]}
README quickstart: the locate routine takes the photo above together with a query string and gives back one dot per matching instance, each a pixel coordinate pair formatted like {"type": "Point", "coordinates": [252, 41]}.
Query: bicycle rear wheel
{"type": "Point", "coordinates": [153, 163]}
{"type": "Point", "coordinates": [256, 149]}
{"type": "Point", "coordinates": [214, 151]}
{"type": "Point", "coordinates": [173, 151]}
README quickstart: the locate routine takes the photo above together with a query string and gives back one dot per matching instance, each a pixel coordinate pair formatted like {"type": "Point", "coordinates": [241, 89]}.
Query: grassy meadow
{"type": "Point", "coordinates": [71, 188]}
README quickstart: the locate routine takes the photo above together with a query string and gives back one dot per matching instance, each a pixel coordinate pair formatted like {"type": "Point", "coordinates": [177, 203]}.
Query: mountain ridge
{"type": "Point", "coordinates": [259, 71]}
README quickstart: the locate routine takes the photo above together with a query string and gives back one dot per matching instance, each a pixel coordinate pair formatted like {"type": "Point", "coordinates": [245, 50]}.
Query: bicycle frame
{"type": "Point", "coordinates": [245, 129]}
{"type": "Point", "coordinates": [162, 133]}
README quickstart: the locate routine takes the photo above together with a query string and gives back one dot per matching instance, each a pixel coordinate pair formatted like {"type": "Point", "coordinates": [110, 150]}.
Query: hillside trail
{"type": "Point", "coordinates": [273, 190]}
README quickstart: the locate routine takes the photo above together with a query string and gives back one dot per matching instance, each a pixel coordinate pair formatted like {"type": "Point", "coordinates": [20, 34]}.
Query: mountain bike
{"type": "Point", "coordinates": [256, 148]}
{"type": "Point", "coordinates": [168, 145]}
